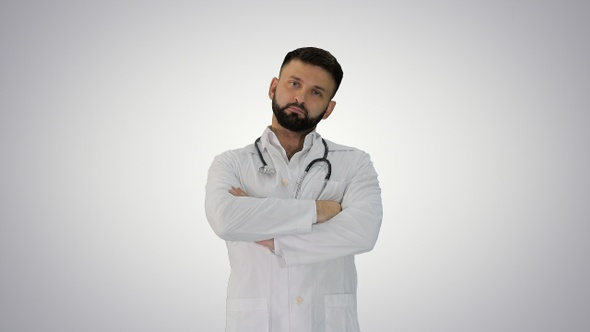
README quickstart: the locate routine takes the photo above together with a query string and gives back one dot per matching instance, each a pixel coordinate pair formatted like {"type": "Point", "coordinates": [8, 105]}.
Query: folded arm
{"type": "Point", "coordinates": [352, 231]}
{"type": "Point", "coordinates": [236, 217]}
{"type": "Point", "coordinates": [326, 210]}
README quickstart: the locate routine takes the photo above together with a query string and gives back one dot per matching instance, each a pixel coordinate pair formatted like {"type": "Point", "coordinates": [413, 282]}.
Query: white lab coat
{"type": "Point", "coordinates": [309, 282]}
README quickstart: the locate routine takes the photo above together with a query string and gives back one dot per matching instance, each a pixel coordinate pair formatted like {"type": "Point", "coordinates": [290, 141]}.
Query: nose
{"type": "Point", "coordinates": [300, 98]}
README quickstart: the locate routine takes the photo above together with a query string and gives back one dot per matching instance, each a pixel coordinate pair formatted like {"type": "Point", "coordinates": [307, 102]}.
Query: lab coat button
{"type": "Point", "coordinates": [298, 300]}
{"type": "Point", "coordinates": [285, 182]}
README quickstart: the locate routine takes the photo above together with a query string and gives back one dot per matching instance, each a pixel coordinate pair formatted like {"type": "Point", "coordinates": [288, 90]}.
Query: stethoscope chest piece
{"type": "Point", "coordinates": [266, 170]}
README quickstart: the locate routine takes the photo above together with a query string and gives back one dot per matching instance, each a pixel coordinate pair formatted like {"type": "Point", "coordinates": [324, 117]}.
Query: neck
{"type": "Point", "coordinates": [291, 141]}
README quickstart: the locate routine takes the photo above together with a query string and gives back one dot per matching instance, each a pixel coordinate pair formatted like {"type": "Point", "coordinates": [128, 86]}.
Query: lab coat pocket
{"type": "Point", "coordinates": [334, 190]}
{"type": "Point", "coordinates": [247, 315]}
{"type": "Point", "coordinates": [340, 313]}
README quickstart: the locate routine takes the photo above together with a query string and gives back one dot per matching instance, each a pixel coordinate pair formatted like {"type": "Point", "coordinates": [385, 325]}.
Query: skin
{"type": "Point", "coordinates": [313, 87]}
{"type": "Point", "coordinates": [305, 84]}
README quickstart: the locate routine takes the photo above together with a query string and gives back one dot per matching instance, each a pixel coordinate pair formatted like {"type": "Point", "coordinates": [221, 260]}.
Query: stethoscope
{"type": "Point", "coordinates": [265, 169]}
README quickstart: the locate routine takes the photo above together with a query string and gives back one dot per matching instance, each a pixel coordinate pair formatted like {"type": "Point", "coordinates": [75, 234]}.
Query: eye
{"type": "Point", "coordinates": [294, 84]}
{"type": "Point", "coordinates": [316, 93]}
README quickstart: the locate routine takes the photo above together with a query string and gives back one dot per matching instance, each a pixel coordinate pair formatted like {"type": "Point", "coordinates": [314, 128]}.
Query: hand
{"type": "Point", "coordinates": [270, 244]}
{"type": "Point", "coordinates": [237, 191]}
{"type": "Point", "coordinates": [326, 210]}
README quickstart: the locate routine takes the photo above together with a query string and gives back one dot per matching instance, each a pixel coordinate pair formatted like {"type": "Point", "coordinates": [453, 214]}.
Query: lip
{"type": "Point", "coordinates": [297, 110]}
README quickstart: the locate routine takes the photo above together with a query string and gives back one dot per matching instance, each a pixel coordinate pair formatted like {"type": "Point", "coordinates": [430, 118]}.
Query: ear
{"type": "Point", "coordinates": [329, 110]}
{"type": "Point", "coordinates": [273, 87]}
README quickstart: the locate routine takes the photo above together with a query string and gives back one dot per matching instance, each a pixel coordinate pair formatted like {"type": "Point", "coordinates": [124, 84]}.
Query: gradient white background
{"type": "Point", "coordinates": [476, 114]}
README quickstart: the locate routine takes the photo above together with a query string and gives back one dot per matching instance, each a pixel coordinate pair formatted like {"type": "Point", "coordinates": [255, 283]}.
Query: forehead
{"type": "Point", "coordinates": [309, 74]}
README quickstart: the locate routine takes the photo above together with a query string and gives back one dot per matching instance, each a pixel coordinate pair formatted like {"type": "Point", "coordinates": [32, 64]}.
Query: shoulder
{"type": "Point", "coordinates": [335, 147]}
{"type": "Point", "coordinates": [348, 154]}
{"type": "Point", "coordinates": [237, 154]}
{"type": "Point", "coordinates": [248, 149]}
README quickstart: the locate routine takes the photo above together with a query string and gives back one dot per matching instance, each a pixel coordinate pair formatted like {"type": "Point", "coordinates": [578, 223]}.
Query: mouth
{"type": "Point", "coordinates": [297, 110]}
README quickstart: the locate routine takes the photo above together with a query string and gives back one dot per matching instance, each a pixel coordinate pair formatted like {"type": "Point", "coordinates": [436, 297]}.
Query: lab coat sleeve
{"type": "Point", "coordinates": [246, 218]}
{"type": "Point", "coordinates": [353, 231]}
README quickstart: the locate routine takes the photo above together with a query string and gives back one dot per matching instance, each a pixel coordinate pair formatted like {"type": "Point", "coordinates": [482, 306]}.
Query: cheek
{"type": "Point", "coordinates": [281, 96]}
{"type": "Point", "coordinates": [321, 106]}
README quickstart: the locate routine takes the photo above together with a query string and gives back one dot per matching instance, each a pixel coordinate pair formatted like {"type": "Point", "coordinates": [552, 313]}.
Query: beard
{"type": "Point", "coordinates": [292, 121]}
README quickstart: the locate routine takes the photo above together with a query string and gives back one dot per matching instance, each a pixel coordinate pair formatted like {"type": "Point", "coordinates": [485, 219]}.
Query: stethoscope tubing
{"type": "Point", "coordinates": [267, 170]}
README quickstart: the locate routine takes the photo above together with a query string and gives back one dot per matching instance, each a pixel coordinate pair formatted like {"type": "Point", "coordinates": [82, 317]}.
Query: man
{"type": "Point", "coordinates": [294, 209]}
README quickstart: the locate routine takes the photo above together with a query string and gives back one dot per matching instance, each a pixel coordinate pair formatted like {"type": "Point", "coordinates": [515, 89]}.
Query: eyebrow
{"type": "Point", "coordinates": [300, 80]}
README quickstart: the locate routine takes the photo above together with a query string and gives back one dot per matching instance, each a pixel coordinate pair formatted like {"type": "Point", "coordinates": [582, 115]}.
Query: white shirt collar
{"type": "Point", "coordinates": [269, 138]}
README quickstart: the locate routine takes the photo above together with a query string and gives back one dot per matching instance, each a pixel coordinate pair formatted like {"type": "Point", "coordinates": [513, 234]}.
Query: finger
{"type": "Point", "coordinates": [237, 191]}
{"type": "Point", "coordinates": [267, 243]}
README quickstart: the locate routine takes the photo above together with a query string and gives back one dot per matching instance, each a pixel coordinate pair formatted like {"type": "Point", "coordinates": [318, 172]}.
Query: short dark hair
{"type": "Point", "coordinates": [317, 57]}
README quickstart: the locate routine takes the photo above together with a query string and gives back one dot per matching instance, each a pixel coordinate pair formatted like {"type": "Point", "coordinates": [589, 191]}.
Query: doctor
{"type": "Point", "coordinates": [294, 209]}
